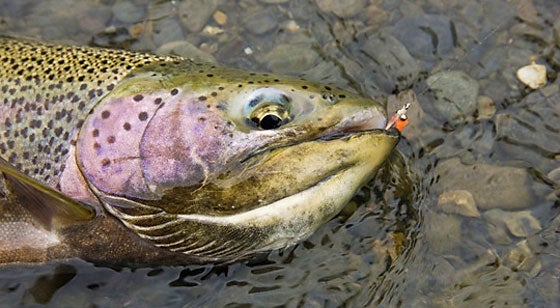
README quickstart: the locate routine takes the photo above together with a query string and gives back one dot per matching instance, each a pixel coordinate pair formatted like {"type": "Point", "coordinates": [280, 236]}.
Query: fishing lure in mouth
{"type": "Point", "coordinates": [399, 120]}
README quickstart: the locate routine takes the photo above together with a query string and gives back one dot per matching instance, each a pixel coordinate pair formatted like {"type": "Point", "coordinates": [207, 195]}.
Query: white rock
{"type": "Point", "coordinates": [532, 75]}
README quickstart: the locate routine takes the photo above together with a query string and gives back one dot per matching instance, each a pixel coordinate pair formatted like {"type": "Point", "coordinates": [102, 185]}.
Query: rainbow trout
{"type": "Point", "coordinates": [123, 157]}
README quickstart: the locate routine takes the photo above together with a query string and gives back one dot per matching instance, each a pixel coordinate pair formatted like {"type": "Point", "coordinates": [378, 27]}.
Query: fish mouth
{"type": "Point", "coordinates": [297, 215]}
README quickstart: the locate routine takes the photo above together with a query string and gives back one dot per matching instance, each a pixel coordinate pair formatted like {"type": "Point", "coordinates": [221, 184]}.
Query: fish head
{"type": "Point", "coordinates": [218, 163]}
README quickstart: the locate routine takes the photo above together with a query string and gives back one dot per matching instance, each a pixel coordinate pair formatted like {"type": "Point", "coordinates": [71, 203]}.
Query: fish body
{"type": "Point", "coordinates": [116, 156]}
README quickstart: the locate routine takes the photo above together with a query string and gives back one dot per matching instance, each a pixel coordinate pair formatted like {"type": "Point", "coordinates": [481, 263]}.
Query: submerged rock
{"type": "Point", "coordinates": [491, 186]}
{"type": "Point", "coordinates": [392, 66]}
{"type": "Point", "coordinates": [426, 36]}
{"type": "Point", "coordinates": [519, 224]}
{"type": "Point", "coordinates": [291, 58]}
{"type": "Point", "coordinates": [532, 75]}
{"type": "Point", "coordinates": [341, 8]}
{"type": "Point", "coordinates": [455, 95]}
{"type": "Point", "coordinates": [458, 202]}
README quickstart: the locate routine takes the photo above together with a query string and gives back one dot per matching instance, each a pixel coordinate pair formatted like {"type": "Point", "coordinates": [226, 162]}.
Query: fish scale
{"type": "Point", "coordinates": [48, 91]}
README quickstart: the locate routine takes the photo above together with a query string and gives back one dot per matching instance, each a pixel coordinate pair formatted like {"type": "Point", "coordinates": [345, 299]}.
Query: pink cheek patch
{"type": "Point", "coordinates": [109, 143]}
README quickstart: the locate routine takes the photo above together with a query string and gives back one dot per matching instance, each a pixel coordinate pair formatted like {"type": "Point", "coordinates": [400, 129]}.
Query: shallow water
{"type": "Point", "coordinates": [465, 213]}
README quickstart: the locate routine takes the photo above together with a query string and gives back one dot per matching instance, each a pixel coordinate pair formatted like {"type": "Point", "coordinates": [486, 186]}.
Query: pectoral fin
{"type": "Point", "coordinates": [45, 204]}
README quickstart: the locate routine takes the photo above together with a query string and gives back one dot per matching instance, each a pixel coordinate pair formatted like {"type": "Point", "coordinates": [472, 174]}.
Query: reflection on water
{"type": "Point", "coordinates": [465, 213]}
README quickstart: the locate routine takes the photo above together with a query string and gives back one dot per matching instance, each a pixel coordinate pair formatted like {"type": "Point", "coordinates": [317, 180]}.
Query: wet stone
{"type": "Point", "coordinates": [128, 12]}
{"type": "Point", "coordinates": [442, 232]}
{"type": "Point", "coordinates": [458, 202]}
{"type": "Point", "coordinates": [516, 130]}
{"type": "Point", "coordinates": [167, 30]}
{"type": "Point", "coordinates": [455, 95]}
{"type": "Point", "coordinates": [274, 1]}
{"type": "Point", "coordinates": [342, 8]}
{"type": "Point", "coordinates": [392, 67]}
{"type": "Point", "coordinates": [486, 107]}
{"type": "Point", "coordinates": [185, 49]}
{"type": "Point", "coordinates": [519, 224]}
{"type": "Point", "coordinates": [521, 258]}
{"type": "Point", "coordinates": [288, 58]}
{"type": "Point", "coordinates": [426, 36]}
{"type": "Point", "coordinates": [260, 23]}
{"type": "Point", "coordinates": [195, 14]}
{"type": "Point", "coordinates": [491, 186]}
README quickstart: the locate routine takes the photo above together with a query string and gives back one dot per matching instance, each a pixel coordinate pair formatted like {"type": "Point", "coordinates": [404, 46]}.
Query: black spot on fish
{"type": "Point", "coordinates": [304, 87]}
{"type": "Point", "coordinates": [111, 139]}
{"type": "Point", "coordinates": [174, 92]}
{"type": "Point", "coordinates": [214, 94]}
{"type": "Point", "coordinates": [96, 146]}
{"type": "Point", "coordinates": [143, 116]}
{"type": "Point", "coordinates": [202, 98]}
{"type": "Point", "coordinates": [105, 114]}
{"type": "Point", "coordinates": [157, 101]}
{"type": "Point", "coordinates": [105, 162]}
{"type": "Point", "coordinates": [209, 75]}
{"type": "Point", "coordinates": [138, 97]}
{"type": "Point", "coordinates": [95, 133]}
{"type": "Point", "coordinates": [126, 126]}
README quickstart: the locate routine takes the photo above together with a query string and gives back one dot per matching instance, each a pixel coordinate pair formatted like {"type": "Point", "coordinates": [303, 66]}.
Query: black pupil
{"type": "Point", "coordinates": [270, 121]}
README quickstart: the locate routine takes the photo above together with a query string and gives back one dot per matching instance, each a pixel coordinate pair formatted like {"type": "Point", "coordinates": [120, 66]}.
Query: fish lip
{"type": "Point", "coordinates": [344, 135]}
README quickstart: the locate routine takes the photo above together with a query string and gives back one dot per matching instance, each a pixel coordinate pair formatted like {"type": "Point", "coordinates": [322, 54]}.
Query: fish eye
{"type": "Point", "coordinates": [268, 109]}
{"type": "Point", "coordinates": [270, 117]}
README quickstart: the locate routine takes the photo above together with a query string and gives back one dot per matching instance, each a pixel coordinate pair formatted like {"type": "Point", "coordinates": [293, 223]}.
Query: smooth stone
{"type": "Point", "coordinates": [532, 75]}
{"type": "Point", "coordinates": [458, 202]}
{"type": "Point", "coordinates": [519, 224]}
{"type": "Point", "coordinates": [391, 65]}
{"type": "Point", "coordinates": [167, 30]}
{"type": "Point", "coordinates": [186, 50]}
{"type": "Point", "coordinates": [455, 95]}
{"type": "Point", "coordinates": [129, 12]}
{"type": "Point", "coordinates": [521, 258]}
{"type": "Point", "coordinates": [260, 23]}
{"type": "Point", "coordinates": [291, 58]}
{"type": "Point", "coordinates": [486, 107]}
{"type": "Point", "coordinates": [196, 13]}
{"type": "Point", "coordinates": [220, 18]}
{"type": "Point", "coordinates": [342, 8]}
{"type": "Point", "coordinates": [442, 232]}
{"type": "Point", "coordinates": [554, 175]}
{"type": "Point", "coordinates": [491, 186]}
{"type": "Point", "coordinates": [425, 36]}
{"type": "Point", "coordinates": [274, 1]}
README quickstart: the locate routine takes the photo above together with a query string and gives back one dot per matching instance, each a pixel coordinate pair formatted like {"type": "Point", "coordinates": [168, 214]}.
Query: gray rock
{"type": "Point", "coordinates": [260, 23]}
{"type": "Point", "coordinates": [341, 8]}
{"type": "Point", "coordinates": [195, 14]}
{"type": "Point", "coordinates": [491, 186]}
{"type": "Point", "coordinates": [455, 95]}
{"type": "Point", "coordinates": [519, 224]}
{"type": "Point", "coordinates": [129, 12]}
{"type": "Point", "coordinates": [426, 36]}
{"type": "Point", "coordinates": [274, 1]}
{"type": "Point", "coordinates": [392, 67]}
{"type": "Point", "coordinates": [186, 50]}
{"type": "Point", "coordinates": [442, 232]}
{"type": "Point", "coordinates": [288, 58]}
{"type": "Point", "coordinates": [167, 30]}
